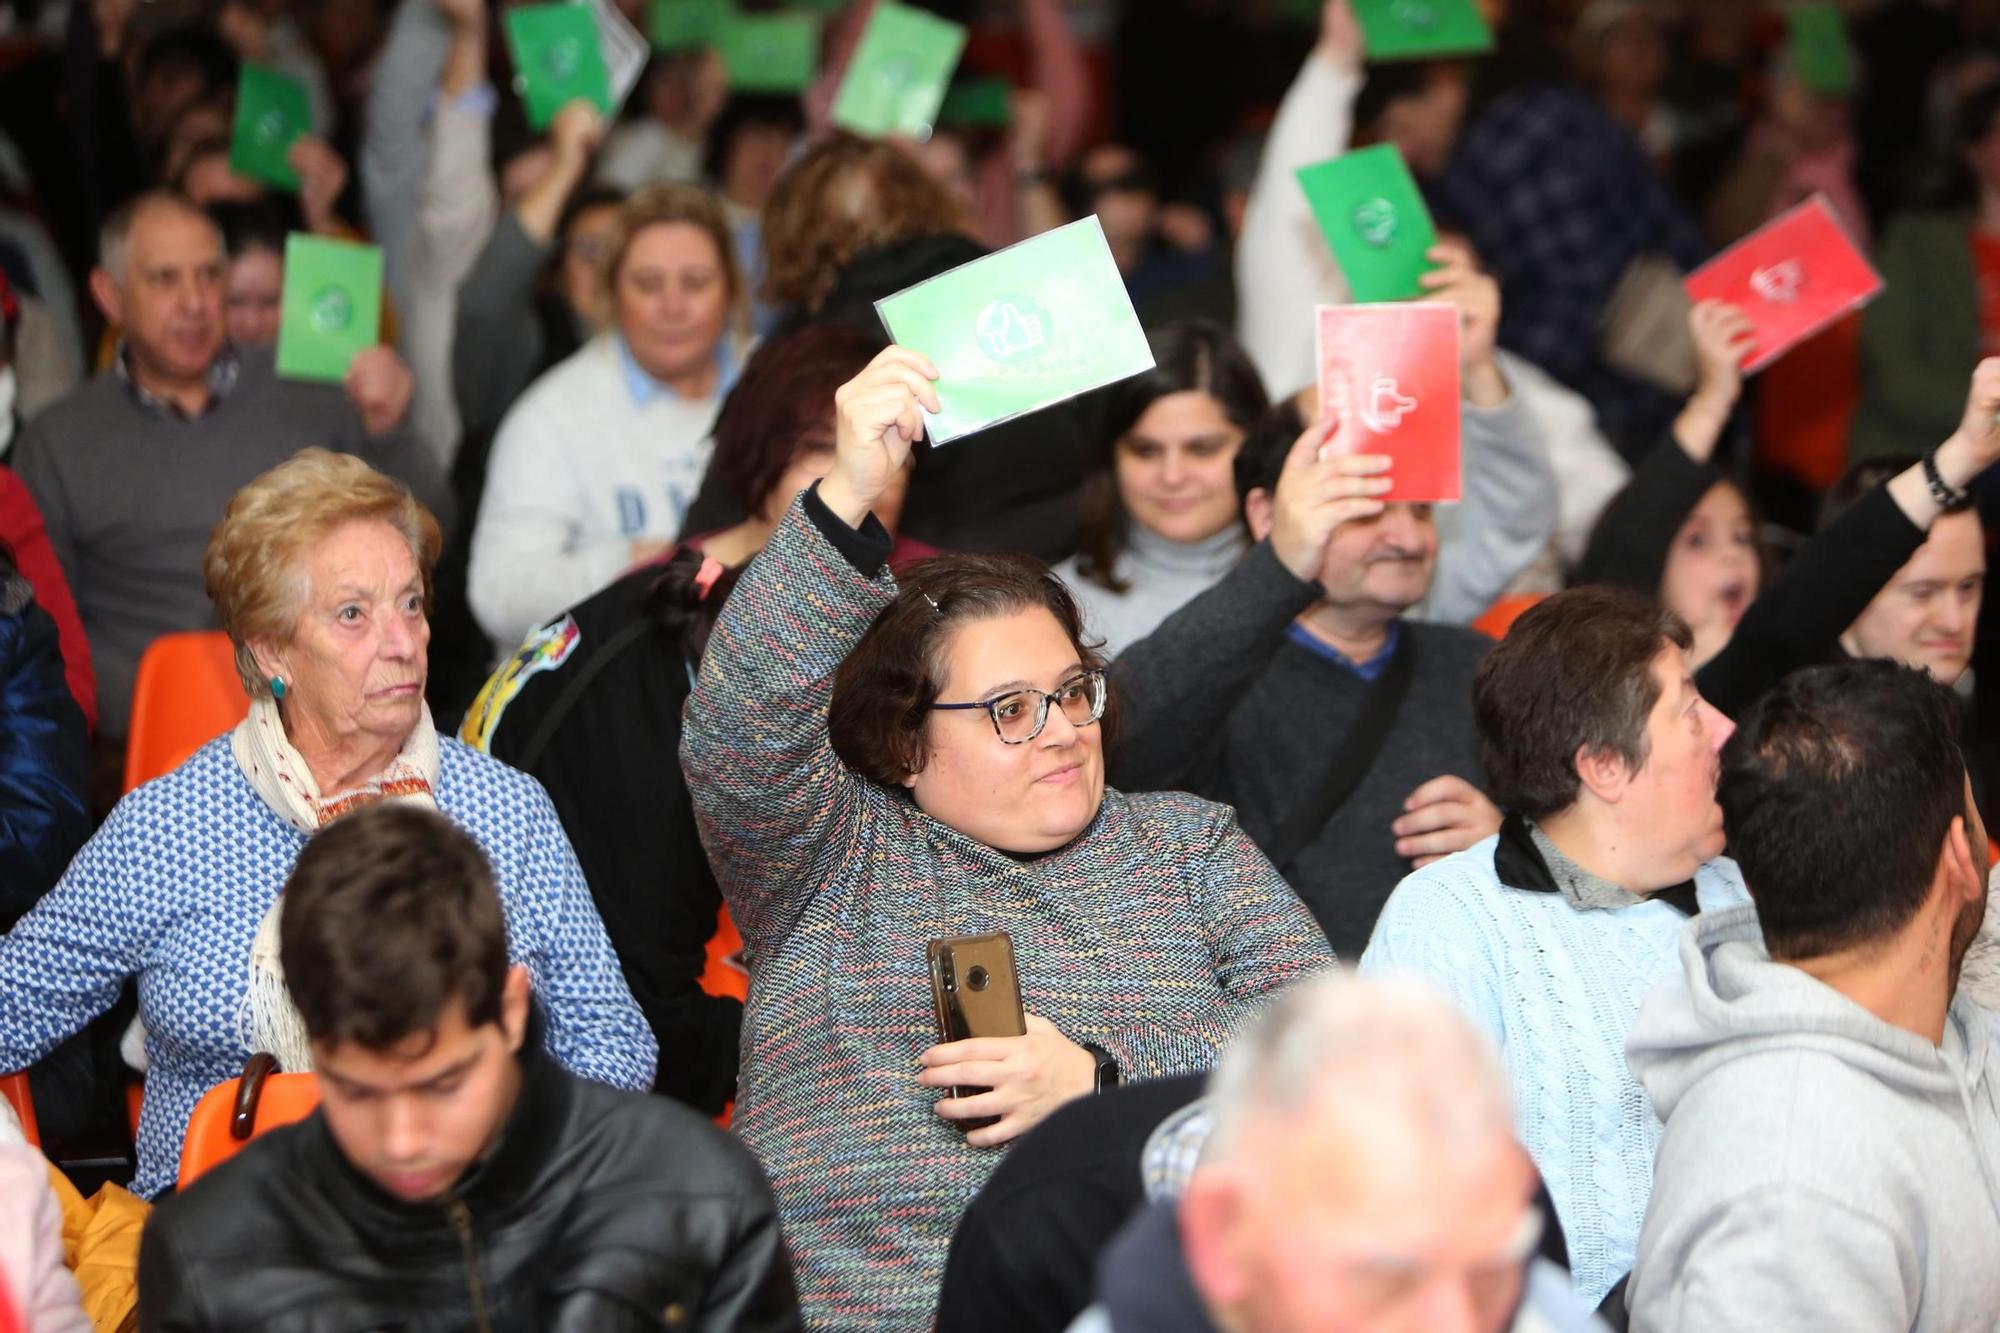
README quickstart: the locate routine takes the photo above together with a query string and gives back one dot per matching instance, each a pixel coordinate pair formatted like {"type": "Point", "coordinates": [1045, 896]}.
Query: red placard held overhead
{"type": "Point", "coordinates": [1389, 373]}
{"type": "Point", "coordinates": [1793, 276]}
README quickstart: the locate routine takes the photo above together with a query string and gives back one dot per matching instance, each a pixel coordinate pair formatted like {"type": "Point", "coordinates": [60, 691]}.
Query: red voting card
{"type": "Point", "coordinates": [1793, 276]}
{"type": "Point", "coordinates": [1389, 373]}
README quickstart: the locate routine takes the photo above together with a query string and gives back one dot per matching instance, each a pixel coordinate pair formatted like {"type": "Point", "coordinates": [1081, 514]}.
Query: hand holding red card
{"type": "Point", "coordinates": [1793, 277]}
{"type": "Point", "coordinates": [1389, 374]}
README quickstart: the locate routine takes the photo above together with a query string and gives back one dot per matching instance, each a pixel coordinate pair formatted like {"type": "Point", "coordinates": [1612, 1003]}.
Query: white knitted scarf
{"type": "Point", "coordinates": [279, 775]}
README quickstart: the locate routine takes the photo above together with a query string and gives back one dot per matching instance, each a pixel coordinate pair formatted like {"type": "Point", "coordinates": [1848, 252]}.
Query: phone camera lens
{"type": "Point", "coordinates": [976, 977]}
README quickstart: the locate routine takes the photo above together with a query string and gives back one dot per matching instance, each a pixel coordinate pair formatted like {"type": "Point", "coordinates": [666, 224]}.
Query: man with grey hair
{"type": "Point", "coordinates": [133, 469]}
{"type": "Point", "coordinates": [1360, 1173]}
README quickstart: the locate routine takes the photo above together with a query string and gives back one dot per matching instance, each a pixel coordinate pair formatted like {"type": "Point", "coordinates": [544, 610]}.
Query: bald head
{"type": "Point", "coordinates": [159, 282]}
{"type": "Point", "coordinates": [1362, 1172]}
{"type": "Point", "coordinates": [114, 239]}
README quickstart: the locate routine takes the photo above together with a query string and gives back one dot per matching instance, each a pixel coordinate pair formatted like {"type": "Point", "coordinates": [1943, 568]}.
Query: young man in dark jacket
{"type": "Point", "coordinates": [454, 1177]}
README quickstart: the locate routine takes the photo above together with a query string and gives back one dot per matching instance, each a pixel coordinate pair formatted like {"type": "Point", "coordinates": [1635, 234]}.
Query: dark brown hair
{"type": "Point", "coordinates": [390, 914]}
{"type": "Point", "coordinates": [783, 407]}
{"type": "Point", "coordinates": [883, 691]}
{"type": "Point", "coordinates": [1575, 672]}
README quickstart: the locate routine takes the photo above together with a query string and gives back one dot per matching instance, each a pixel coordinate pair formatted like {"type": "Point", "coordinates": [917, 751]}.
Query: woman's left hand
{"type": "Point", "coordinates": [1027, 1078]}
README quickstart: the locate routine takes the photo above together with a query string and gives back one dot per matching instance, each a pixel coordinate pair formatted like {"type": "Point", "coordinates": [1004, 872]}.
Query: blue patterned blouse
{"type": "Point", "coordinates": [173, 888]}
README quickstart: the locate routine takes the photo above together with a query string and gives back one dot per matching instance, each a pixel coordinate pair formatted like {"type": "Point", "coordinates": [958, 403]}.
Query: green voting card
{"type": "Point", "coordinates": [898, 76]}
{"type": "Point", "coordinates": [1416, 29]}
{"type": "Point", "coordinates": [983, 103]}
{"type": "Point", "coordinates": [1368, 208]}
{"type": "Point", "coordinates": [556, 60]}
{"type": "Point", "coordinates": [271, 114]}
{"type": "Point", "coordinates": [770, 53]}
{"type": "Point", "coordinates": [1818, 48]}
{"type": "Point", "coordinates": [332, 306]}
{"type": "Point", "coordinates": [685, 25]}
{"type": "Point", "coordinates": [1021, 329]}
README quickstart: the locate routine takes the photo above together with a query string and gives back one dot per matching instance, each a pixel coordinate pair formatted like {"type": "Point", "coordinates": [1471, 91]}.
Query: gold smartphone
{"type": "Point", "coordinates": [975, 992]}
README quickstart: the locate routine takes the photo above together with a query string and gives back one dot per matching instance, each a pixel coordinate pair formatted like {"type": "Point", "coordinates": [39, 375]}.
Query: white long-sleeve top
{"type": "Point", "coordinates": [456, 210]}
{"type": "Point", "coordinates": [593, 458]}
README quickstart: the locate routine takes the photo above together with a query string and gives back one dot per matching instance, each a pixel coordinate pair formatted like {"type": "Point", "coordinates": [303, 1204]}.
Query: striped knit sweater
{"type": "Point", "coordinates": [1557, 990]}
{"type": "Point", "coordinates": [1152, 935]}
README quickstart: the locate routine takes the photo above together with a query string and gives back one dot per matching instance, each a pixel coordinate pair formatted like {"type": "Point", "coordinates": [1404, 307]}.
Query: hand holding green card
{"type": "Point", "coordinates": [770, 53]}
{"type": "Point", "coordinates": [556, 60]}
{"type": "Point", "coordinates": [897, 78]}
{"type": "Point", "coordinates": [1369, 210]}
{"type": "Point", "coordinates": [1818, 49]}
{"type": "Point", "coordinates": [331, 307]}
{"type": "Point", "coordinates": [1420, 29]}
{"type": "Point", "coordinates": [272, 113]}
{"type": "Point", "coordinates": [1021, 329]}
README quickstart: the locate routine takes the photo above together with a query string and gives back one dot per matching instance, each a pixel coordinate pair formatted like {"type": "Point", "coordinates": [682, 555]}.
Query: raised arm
{"type": "Point", "coordinates": [777, 809]}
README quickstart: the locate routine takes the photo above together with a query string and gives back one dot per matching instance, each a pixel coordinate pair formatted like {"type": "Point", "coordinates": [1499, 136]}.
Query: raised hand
{"type": "Point", "coordinates": [574, 135]}
{"type": "Point", "coordinates": [379, 385]}
{"type": "Point", "coordinates": [1340, 38]}
{"type": "Point", "coordinates": [1318, 491]}
{"type": "Point", "coordinates": [1722, 337]}
{"type": "Point", "coordinates": [1458, 280]}
{"type": "Point", "coordinates": [322, 176]}
{"type": "Point", "coordinates": [878, 417]}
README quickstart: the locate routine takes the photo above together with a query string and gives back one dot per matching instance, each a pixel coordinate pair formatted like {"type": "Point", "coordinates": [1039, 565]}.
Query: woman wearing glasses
{"type": "Point", "coordinates": [876, 764]}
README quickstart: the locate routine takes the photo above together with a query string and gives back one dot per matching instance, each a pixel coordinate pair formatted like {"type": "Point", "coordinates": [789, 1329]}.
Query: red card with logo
{"type": "Point", "coordinates": [1389, 373]}
{"type": "Point", "coordinates": [1793, 276]}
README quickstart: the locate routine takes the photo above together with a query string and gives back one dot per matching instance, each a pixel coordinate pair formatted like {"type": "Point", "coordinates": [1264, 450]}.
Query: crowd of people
{"type": "Point", "coordinates": [1560, 909]}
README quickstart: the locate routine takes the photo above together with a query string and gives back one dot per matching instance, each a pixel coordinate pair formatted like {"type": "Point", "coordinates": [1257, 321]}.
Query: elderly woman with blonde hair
{"type": "Point", "coordinates": [320, 571]}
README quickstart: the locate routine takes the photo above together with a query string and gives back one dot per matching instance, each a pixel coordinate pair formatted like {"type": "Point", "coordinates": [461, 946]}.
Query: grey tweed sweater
{"type": "Point", "coordinates": [1153, 936]}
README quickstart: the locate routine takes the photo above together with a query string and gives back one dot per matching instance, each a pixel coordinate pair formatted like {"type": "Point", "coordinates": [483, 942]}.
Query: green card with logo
{"type": "Point", "coordinates": [1368, 208]}
{"type": "Point", "coordinates": [1419, 29]}
{"type": "Point", "coordinates": [557, 59]}
{"type": "Point", "coordinates": [271, 114]}
{"type": "Point", "coordinates": [770, 53]}
{"type": "Point", "coordinates": [332, 306]}
{"type": "Point", "coordinates": [685, 25]}
{"type": "Point", "coordinates": [1817, 46]}
{"type": "Point", "coordinates": [1021, 329]}
{"type": "Point", "coordinates": [900, 71]}
{"type": "Point", "coordinates": [983, 103]}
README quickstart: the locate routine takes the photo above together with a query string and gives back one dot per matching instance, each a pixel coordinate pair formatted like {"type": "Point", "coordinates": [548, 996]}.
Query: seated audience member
{"type": "Point", "coordinates": [748, 149]}
{"type": "Point", "coordinates": [875, 764]}
{"type": "Point", "coordinates": [1602, 751]}
{"type": "Point", "coordinates": [1831, 1156]}
{"type": "Point", "coordinates": [1162, 522]}
{"type": "Point", "coordinates": [593, 469]}
{"type": "Point", "coordinates": [132, 470]}
{"type": "Point", "coordinates": [1360, 1172]}
{"type": "Point", "coordinates": [253, 239]}
{"type": "Point", "coordinates": [318, 570]}
{"type": "Point", "coordinates": [1284, 268]}
{"type": "Point", "coordinates": [591, 705]}
{"type": "Point", "coordinates": [23, 532]}
{"type": "Point", "coordinates": [38, 1293]}
{"type": "Point", "coordinates": [1313, 624]}
{"type": "Point", "coordinates": [680, 97]}
{"type": "Point", "coordinates": [1167, 252]}
{"type": "Point", "coordinates": [1895, 570]}
{"type": "Point", "coordinates": [453, 1174]}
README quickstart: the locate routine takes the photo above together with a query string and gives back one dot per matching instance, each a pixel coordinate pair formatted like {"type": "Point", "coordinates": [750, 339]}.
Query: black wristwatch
{"type": "Point", "coordinates": [1107, 1069]}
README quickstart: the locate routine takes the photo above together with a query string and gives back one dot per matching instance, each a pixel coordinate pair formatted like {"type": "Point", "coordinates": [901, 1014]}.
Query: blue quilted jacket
{"type": "Point", "coordinates": [44, 754]}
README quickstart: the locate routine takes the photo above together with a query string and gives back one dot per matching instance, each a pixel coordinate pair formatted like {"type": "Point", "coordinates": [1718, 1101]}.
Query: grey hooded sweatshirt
{"type": "Point", "coordinates": [1821, 1170]}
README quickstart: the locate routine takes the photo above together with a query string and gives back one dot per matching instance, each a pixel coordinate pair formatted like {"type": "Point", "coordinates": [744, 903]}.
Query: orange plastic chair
{"type": "Point", "coordinates": [724, 973]}
{"type": "Point", "coordinates": [14, 1087]}
{"type": "Point", "coordinates": [187, 693]}
{"type": "Point", "coordinates": [230, 1114]}
{"type": "Point", "coordinates": [1497, 619]}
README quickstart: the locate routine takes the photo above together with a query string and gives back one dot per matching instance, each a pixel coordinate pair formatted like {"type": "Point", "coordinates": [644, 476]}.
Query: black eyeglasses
{"type": "Point", "coordinates": [1019, 716]}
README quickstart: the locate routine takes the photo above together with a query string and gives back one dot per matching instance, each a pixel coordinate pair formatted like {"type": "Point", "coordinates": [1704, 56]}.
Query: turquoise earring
{"type": "Point", "coordinates": [277, 687]}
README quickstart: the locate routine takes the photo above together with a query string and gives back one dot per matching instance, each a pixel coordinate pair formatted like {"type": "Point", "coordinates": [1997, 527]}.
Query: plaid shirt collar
{"type": "Point", "coordinates": [222, 373]}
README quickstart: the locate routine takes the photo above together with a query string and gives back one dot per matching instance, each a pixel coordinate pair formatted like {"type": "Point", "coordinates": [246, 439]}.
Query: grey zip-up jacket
{"type": "Point", "coordinates": [1821, 1170]}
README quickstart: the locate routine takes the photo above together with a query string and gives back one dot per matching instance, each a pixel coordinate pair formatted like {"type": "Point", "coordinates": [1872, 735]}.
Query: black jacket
{"type": "Point", "coordinates": [44, 753]}
{"type": "Point", "coordinates": [595, 1210]}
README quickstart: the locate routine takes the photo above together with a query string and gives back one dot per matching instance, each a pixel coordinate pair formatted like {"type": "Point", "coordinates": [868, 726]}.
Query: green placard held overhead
{"type": "Point", "coordinates": [685, 25]}
{"type": "Point", "coordinates": [1417, 29]}
{"type": "Point", "coordinates": [900, 71]}
{"type": "Point", "coordinates": [1375, 221]}
{"type": "Point", "coordinates": [332, 306]}
{"type": "Point", "coordinates": [1819, 51]}
{"type": "Point", "coordinates": [770, 53]}
{"type": "Point", "coordinates": [982, 103]}
{"type": "Point", "coordinates": [1021, 329]}
{"type": "Point", "coordinates": [272, 113]}
{"type": "Point", "coordinates": [556, 60]}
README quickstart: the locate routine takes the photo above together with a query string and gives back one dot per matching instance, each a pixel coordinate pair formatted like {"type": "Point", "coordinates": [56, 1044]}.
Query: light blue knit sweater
{"type": "Point", "coordinates": [1557, 990]}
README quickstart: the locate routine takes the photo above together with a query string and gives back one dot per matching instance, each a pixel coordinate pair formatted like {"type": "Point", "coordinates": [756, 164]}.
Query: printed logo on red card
{"type": "Point", "coordinates": [1389, 373]}
{"type": "Point", "coordinates": [1793, 276]}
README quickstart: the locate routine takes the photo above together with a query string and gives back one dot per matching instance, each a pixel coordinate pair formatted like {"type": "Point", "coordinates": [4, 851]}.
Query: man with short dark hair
{"type": "Point", "coordinates": [1597, 742]}
{"type": "Point", "coordinates": [454, 1176]}
{"type": "Point", "coordinates": [133, 469]}
{"type": "Point", "coordinates": [1831, 1157]}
